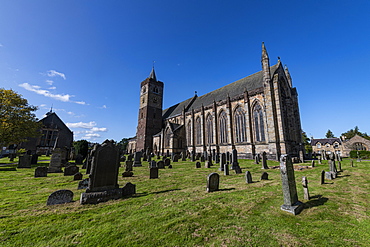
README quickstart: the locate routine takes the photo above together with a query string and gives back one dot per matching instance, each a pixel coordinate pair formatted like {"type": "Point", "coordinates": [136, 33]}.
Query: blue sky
{"type": "Point", "coordinates": [87, 58]}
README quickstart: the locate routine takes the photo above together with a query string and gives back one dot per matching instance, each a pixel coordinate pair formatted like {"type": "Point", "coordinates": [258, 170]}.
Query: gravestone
{"type": "Point", "coordinates": [149, 159]}
{"type": "Point", "coordinates": [202, 158]}
{"type": "Point", "coordinates": [209, 161]}
{"type": "Point", "coordinates": [198, 165]}
{"type": "Point", "coordinates": [34, 159]}
{"type": "Point", "coordinates": [137, 159]}
{"type": "Point", "coordinates": [322, 177]}
{"type": "Point", "coordinates": [222, 161]}
{"type": "Point", "coordinates": [228, 156]}
{"type": "Point", "coordinates": [234, 157]}
{"type": "Point", "coordinates": [175, 158]}
{"type": "Point", "coordinates": [129, 157]}
{"type": "Point", "coordinates": [306, 194]}
{"type": "Point", "coordinates": [339, 166]}
{"type": "Point", "coordinates": [24, 161]}
{"type": "Point", "coordinates": [183, 156]}
{"type": "Point", "coordinates": [217, 158]}
{"type": "Point", "coordinates": [237, 169]}
{"type": "Point", "coordinates": [301, 156]}
{"type": "Point", "coordinates": [71, 170]}
{"type": "Point", "coordinates": [351, 163]}
{"type": "Point", "coordinates": [83, 184]}
{"type": "Point", "coordinates": [265, 176]}
{"type": "Point", "coordinates": [256, 159]}
{"type": "Point", "coordinates": [103, 182]}
{"type": "Point", "coordinates": [127, 174]}
{"type": "Point", "coordinates": [213, 181]}
{"type": "Point", "coordinates": [128, 189]}
{"type": "Point", "coordinates": [60, 197]}
{"type": "Point", "coordinates": [313, 163]}
{"type": "Point", "coordinates": [79, 159]}
{"type": "Point", "coordinates": [145, 157]}
{"type": "Point", "coordinates": [153, 164]}
{"type": "Point", "coordinates": [77, 176]}
{"type": "Point", "coordinates": [41, 171]}
{"type": "Point", "coordinates": [128, 165]}
{"type": "Point", "coordinates": [170, 166]}
{"type": "Point", "coordinates": [329, 175]}
{"type": "Point", "coordinates": [167, 162]}
{"type": "Point", "coordinates": [55, 165]}
{"type": "Point", "coordinates": [153, 172]}
{"type": "Point", "coordinates": [264, 161]}
{"type": "Point", "coordinates": [123, 158]}
{"type": "Point", "coordinates": [319, 159]}
{"type": "Point", "coordinates": [192, 156]}
{"type": "Point", "coordinates": [248, 177]}
{"type": "Point", "coordinates": [333, 168]}
{"type": "Point", "coordinates": [226, 169]}
{"type": "Point", "coordinates": [291, 203]}
{"type": "Point", "coordinates": [160, 164]}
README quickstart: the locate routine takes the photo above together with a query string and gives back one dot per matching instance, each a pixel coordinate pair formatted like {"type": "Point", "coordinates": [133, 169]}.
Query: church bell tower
{"type": "Point", "coordinates": [150, 112]}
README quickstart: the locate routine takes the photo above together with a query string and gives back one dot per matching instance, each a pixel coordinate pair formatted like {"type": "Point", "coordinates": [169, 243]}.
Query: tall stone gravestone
{"type": "Point", "coordinates": [306, 194]}
{"type": "Point", "coordinates": [248, 177]}
{"type": "Point", "coordinates": [41, 171]}
{"type": "Point", "coordinates": [291, 203]}
{"type": "Point", "coordinates": [24, 161]}
{"type": "Point", "coordinates": [222, 161]}
{"type": "Point", "coordinates": [213, 181]}
{"type": "Point", "coordinates": [264, 161]}
{"type": "Point", "coordinates": [153, 172]}
{"type": "Point", "coordinates": [103, 182]}
{"type": "Point", "coordinates": [234, 157]}
{"type": "Point", "coordinates": [256, 159]}
{"type": "Point", "coordinates": [55, 164]}
{"type": "Point", "coordinates": [137, 159]}
{"type": "Point", "coordinates": [301, 156]}
{"type": "Point", "coordinates": [34, 159]}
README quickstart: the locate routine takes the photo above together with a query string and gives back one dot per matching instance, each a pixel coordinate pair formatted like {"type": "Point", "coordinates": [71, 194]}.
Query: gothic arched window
{"type": "Point", "coordinates": [240, 126]}
{"type": "Point", "coordinates": [188, 133]}
{"type": "Point", "coordinates": [223, 127]}
{"type": "Point", "coordinates": [259, 126]}
{"type": "Point", "coordinates": [198, 131]}
{"type": "Point", "coordinates": [167, 138]}
{"type": "Point", "coordinates": [209, 129]}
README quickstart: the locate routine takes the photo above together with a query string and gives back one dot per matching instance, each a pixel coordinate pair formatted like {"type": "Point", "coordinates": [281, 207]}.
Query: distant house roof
{"type": "Point", "coordinates": [325, 141]}
{"type": "Point", "coordinates": [236, 88]}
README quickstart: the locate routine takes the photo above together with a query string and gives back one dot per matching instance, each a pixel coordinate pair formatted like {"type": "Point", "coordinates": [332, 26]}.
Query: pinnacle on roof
{"type": "Point", "coordinates": [152, 75]}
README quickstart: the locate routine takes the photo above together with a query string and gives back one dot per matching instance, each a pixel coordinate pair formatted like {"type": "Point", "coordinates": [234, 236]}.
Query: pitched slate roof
{"type": "Point", "coordinates": [238, 87]}
{"type": "Point", "coordinates": [325, 141]}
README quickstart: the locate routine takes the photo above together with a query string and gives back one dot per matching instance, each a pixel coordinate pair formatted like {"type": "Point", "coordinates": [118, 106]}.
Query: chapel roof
{"type": "Point", "coordinates": [233, 89]}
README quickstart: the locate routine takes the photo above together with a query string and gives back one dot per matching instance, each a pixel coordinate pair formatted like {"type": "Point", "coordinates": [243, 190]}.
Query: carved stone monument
{"type": "Point", "coordinates": [56, 161]}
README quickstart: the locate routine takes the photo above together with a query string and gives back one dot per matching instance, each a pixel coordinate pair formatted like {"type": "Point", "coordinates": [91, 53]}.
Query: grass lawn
{"type": "Point", "coordinates": [176, 210]}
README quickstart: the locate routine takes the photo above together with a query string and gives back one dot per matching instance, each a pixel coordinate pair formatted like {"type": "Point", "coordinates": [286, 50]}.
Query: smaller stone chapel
{"type": "Point", "coordinates": [258, 113]}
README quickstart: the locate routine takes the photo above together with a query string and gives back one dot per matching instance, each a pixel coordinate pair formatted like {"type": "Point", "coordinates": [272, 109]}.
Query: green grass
{"type": "Point", "coordinates": [176, 210]}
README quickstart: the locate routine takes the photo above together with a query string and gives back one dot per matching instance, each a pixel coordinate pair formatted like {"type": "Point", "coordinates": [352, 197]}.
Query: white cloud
{"type": "Point", "coordinates": [96, 129]}
{"type": "Point", "coordinates": [50, 82]}
{"type": "Point", "coordinates": [53, 73]}
{"type": "Point", "coordinates": [88, 125]}
{"type": "Point", "coordinates": [92, 135]}
{"type": "Point", "coordinates": [52, 88]}
{"type": "Point", "coordinates": [46, 93]}
{"type": "Point", "coordinates": [80, 102]}
{"type": "Point", "coordinates": [103, 107]}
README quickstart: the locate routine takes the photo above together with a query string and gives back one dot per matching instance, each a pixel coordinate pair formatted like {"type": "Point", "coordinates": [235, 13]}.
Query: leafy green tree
{"type": "Point", "coordinates": [17, 120]}
{"type": "Point", "coordinates": [81, 147]}
{"type": "Point", "coordinates": [123, 144]}
{"type": "Point", "coordinates": [356, 131]}
{"type": "Point", "coordinates": [306, 142]}
{"type": "Point", "coordinates": [329, 134]}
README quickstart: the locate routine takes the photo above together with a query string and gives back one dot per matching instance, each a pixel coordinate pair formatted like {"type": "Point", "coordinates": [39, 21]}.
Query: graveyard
{"type": "Point", "coordinates": [177, 209]}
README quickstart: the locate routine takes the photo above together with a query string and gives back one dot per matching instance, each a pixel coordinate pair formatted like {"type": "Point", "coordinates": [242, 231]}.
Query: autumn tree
{"type": "Point", "coordinates": [17, 120]}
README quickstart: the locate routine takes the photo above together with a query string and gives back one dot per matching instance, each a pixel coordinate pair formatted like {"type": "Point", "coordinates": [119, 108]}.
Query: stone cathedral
{"type": "Point", "coordinates": [258, 113]}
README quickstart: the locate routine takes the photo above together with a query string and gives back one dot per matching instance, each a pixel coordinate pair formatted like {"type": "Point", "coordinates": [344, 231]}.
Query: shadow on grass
{"type": "Point", "coordinates": [157, 192]}
{"type": "Point", "coordinates": [8, 169]}
{"type": "Point", "coordinates": [226, 189]}
{"type": "Point", "coordinates": [315, 201]}
{"type": "Point", "coordinates": [342, 176]}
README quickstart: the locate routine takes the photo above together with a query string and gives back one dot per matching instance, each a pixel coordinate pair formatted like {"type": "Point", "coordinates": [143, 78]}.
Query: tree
{"type": "Point", "coordinates": [81, 147]}
{"type": "Point", "coordinates": [306, 142]}
{"type": "Point", "coordinates": [123, 144]}
{"type": "Point", "coordinates": [329, 134]}
{"type": "Point", "coordinates": [17, 120]}
{"type": "Point", "coordinates": [356, 131]}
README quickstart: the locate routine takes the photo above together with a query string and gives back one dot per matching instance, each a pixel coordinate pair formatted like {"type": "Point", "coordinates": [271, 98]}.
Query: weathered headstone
{"type": "Point", "coordinates": [167, 162]}
{"type": "Point", "coordinates": [237, 169]}
{"type": "Point", "coordinates": [128, 189]}
{"type": "Point", "coordinates": [83, 184]}
{"type": "Point", "coordinates": [226, 169]}
{"type": "Point", "coordinates": [248, 177]}
{"type": "Point", "coordinates": [41, 171]}
{"type": "Point", "coordinates": [301, 156]}
{"type": "Point", "coordinates": [322, 177]}
{"type": "Point", "coordinates": [77, 176]}
{"type": "Point", "coordinates": [34, 159]}
{"type": "Point", "coordinates": [291, 203]}
{"type": "Point", "coordinates": [222, 161]}
{"type": "Point", "coordinates": [60, 197]}
{"type": "Point", "coordinates": [351, 163]}
{"type": "Point", "coordinates": [312, 163]}
{"type": "Point", "coordinates": [160, 164]}
{"type": "Point", "coordinates": [24, 161]}
{"type": "Point", "coordinates": [79, 159]}
{"type": "Point", "coordinates": [217, 159]}
{"type": "Point", "coordinates": [71, 170]}
{"type": "Point", "coordinates": [202, 158]}
{"type": "Point", "coordinates": [152, 164]}
{"type": "Point", "coordinates": [213, 181]}
{"type": "Point", "coordinates": [198, 165]}
{"type": "Point", "coordinates": [183, 156]}
{"type": "Point", "coordinates": [170, 166]}
{"type": "Point", "coordinates": [56, 161]}
{"type": "Point", "coordinates": [137, 159]}
{"type": "Point", "coordinates": [175, 158]}
{"type": "Point", "coordinates": [153, 172]}
{"type": "Point", "coordinates": [209, 161]}
{"type": "Point", "coordinates": [339, 166]}
{"type": "Point", "coordinates": [228, 156]}
{"type": "Point", "coordinates": [333, 168]}
{"type": "Point", "coordinates": [265, 176]}
{"type": "Point", "coordinates": [264, 161]}
{"type": "Point", "coordinates": [103, 182]}
{"type": "Point", "coordinates": [234, 157]}
{"type": "Point", "coordinates": [192, 156]}
{"type": "Point", "coordinates": [256, 159]}
{"type": "Point", "coordinates": [329, 175]}
{"type": "Point", "coordinates": [306, 194]}
{"type": "Point", "coordinates": [128, 165]}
